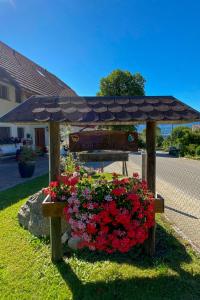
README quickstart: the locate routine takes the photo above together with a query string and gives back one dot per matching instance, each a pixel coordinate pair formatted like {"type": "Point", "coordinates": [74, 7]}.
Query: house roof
{"type": "Point", "coordinates": [102, 110]}
{"type": "Point", "coordinates": [30, 76]}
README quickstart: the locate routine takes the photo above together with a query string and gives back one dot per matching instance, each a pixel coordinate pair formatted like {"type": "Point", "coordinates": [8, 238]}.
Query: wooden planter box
{"type": "Point", "coordinates": [55, 209]}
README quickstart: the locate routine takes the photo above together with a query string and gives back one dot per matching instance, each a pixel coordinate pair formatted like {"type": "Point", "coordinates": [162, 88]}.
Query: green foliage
{"type": "Point", "coordinates": [198, 151]}
{"type": "Point", "coordinates": [26, 271]}
{"type": "Point", "coordinates": [27, 154]}
{"type": "Point", "coordinates": [141, 142]}
{"type": "Point", "coordinates": [120, 127]}
{"type": "Point", "coordinates": [122, 83]}
{"type": "Point", "coordinates": [159, 137]}
{"type": "Point", "coordinates": [191, 149]}
{"type": "Point", "coordinates": [159, 140]}
{"type": "Point", "coordinates": [70, 164]}
{"type": "Point", "coordinates": [180, 133]}
{"type": "Point", "coordinates": [185, 139]}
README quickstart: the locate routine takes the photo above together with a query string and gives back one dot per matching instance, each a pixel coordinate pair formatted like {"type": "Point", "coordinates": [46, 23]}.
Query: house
{"type": "Point", "coordinates": [196, 127]}
{"type": "Point", "coordinates": [21, 78]}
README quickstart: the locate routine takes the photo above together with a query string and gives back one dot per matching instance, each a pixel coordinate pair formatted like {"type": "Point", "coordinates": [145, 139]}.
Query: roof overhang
{"type": "Point", "coordinates": [85, 111]}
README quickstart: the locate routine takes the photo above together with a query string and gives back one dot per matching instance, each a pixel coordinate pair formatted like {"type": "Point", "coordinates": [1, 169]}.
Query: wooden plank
{"type": "Point", "coordinates": [144, 166]}
{"type": "Point", "coordinates": [54, 151]}
{"type": "Point", "coordinates": [151, 178]}
{"type": "Point", "coordinates": [151, 155]}
{"type": "Point", "coordinates": [54, 166]}
{"type": "Point", "coordinates": [55, 209]}
{"type": "Point", "coordinates": [103, 140]}
{"type": "Point", "coordinates": [103, 156]}
{"type": "Point", "coordinates": [159, 204]}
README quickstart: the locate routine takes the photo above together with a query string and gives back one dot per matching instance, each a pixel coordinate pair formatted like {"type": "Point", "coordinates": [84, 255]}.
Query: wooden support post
{"type": "Point", "coordinates": [126, 170]}
{"type": "Point", "coordinates": [54, 170]}
{"type": "Point", "coordinates": [151, 176]}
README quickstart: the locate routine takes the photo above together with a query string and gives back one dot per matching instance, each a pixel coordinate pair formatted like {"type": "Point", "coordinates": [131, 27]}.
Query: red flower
{"type": "Point", "coordinates": [73, 180]}
{"type": "Point", "coordinates": [116, 243]}
{"type": "Point", "coordinates": [54, 184]}
{"type": "Point", "coordinates": [141, 235]}
{"type": "Point", "coordinates": [64, 179]}
{"type": "Point", "coordinates": [104, 229]}
{"type": "Point", "coordinates": [91, 229]}
{"type": "Point", "coordinates": [125, 180]}
{"type": "Point", "coordinates": [112, 208]}
{"type": "Point", "coordinates": [133, 197]}
{"type": "Point", "coordinates": [119, 191]}
{"type": "Point", "coordinates": [135, 175]}
{"type": "Point", "coordinates": [124, 245]}
{"type": "Point", "coordinates": [115, 223]}
{"type": "Point", "coordinates": [123, 219]}
{"type": "Point", "coordinates": [53, 195]}
{"type": "Point", "coordinates": [106, 219]}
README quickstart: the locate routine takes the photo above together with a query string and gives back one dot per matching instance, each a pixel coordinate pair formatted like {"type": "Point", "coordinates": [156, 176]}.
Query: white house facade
{"type": "Point", "coordinates": [20, 78]}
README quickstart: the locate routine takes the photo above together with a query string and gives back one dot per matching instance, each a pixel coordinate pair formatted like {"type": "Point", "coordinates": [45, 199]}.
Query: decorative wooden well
{"type": "Point", "coordinates": [83, 111]}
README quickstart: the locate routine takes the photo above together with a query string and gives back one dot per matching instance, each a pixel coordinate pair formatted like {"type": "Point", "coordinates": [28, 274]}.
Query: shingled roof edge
{"type": "Point", "coordinates": [82, 110]}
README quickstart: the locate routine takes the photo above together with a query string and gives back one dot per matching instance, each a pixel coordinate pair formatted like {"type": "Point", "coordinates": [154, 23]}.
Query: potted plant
{"type": "Point", "coordinates": [26, 162]}
{"type": "Point", "coordinates": [104, 215]}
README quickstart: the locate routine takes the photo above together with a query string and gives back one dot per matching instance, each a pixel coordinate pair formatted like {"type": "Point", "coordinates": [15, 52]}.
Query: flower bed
{"type": "Point", "coordinates": [106, 215]}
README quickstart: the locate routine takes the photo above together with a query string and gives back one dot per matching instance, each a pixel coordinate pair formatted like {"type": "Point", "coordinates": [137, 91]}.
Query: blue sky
{"type": "Point", "coordinates": [83, 40]}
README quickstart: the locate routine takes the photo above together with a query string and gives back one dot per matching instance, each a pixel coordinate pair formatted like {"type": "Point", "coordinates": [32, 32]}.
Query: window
{"type": "Point", "coordinates": [40, 73]}
{"type": "Point", "coordinates": [20, 132]}
{"type": "Point", "coordinates": [4, 92]}
{"type": "Point", "coordinates": [4, 132]}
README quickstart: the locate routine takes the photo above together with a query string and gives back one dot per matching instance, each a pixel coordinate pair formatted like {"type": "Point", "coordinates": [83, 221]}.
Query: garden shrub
{"type": "Point", "coordinates": [198, 151]}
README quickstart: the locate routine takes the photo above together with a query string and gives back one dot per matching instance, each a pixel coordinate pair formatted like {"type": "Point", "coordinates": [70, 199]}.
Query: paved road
{"type": "Point", "coordinates": [183, 174]}
{"type": "Point", "coordinates": [178, 181]}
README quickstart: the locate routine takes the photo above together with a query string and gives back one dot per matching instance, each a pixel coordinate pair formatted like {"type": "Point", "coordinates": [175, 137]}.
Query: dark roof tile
{"type": "Point", "coordinates": [31, 76]}
{"type": "Point", "coordinates": [99, 110]}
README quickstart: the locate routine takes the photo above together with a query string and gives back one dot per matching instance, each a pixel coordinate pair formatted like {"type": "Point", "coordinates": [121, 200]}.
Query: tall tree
{"type": "Point", "coordinates": [122, 83]}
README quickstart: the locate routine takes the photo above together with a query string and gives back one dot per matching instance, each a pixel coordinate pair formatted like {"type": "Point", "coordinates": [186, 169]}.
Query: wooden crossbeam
{"type": "Point", "coordinates": [55, 209]}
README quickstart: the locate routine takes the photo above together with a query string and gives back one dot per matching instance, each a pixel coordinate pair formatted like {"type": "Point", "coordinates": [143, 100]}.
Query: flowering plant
{"type": "Point", "coordinates": [110, 216]}
{"type": "Point", "coordinates": [106, 215]}
{"type": "Point", "coordinates": [63, 188]}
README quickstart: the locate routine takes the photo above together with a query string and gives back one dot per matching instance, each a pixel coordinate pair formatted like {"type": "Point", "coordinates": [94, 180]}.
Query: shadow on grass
{"type": "Point", "coordinates": [13, 195]}
{"type": "Point", "coordinates": [170, 255]}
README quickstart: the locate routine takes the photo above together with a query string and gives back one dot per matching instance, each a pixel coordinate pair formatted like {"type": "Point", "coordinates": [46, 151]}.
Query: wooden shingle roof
{"type": "Point", "coordinates": [30, 76]}
{"type": "Point", "coordinates": [102, 110]}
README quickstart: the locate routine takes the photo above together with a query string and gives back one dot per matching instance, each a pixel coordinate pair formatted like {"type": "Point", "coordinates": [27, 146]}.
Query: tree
{"type": "Point", "coordinates": [122, 83]}
{"type": "Point", "coordinates": [185, 139]}
{"type": "Point", "coordinates": [159, 137]}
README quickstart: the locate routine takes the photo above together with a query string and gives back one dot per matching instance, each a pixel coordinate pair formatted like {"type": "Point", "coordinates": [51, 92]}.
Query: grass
{"type": "Point", "coordinates": [26, 271]}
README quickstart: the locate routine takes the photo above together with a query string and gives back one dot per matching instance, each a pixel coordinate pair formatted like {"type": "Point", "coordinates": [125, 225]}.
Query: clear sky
{"type": "Point", "coordinates": [83, 40]}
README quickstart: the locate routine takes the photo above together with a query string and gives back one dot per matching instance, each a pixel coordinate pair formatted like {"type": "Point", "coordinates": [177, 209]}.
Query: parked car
{"type": "Point", "coordinates": [174, 151]}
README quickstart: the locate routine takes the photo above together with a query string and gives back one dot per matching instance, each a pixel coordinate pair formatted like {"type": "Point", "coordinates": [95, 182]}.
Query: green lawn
{"type": "Point", "coordinates": [26, 271]}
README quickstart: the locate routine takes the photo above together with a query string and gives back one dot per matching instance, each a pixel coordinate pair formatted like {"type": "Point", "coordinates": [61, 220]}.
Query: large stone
{"type": "Point", "coordinates": [31, 218]}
